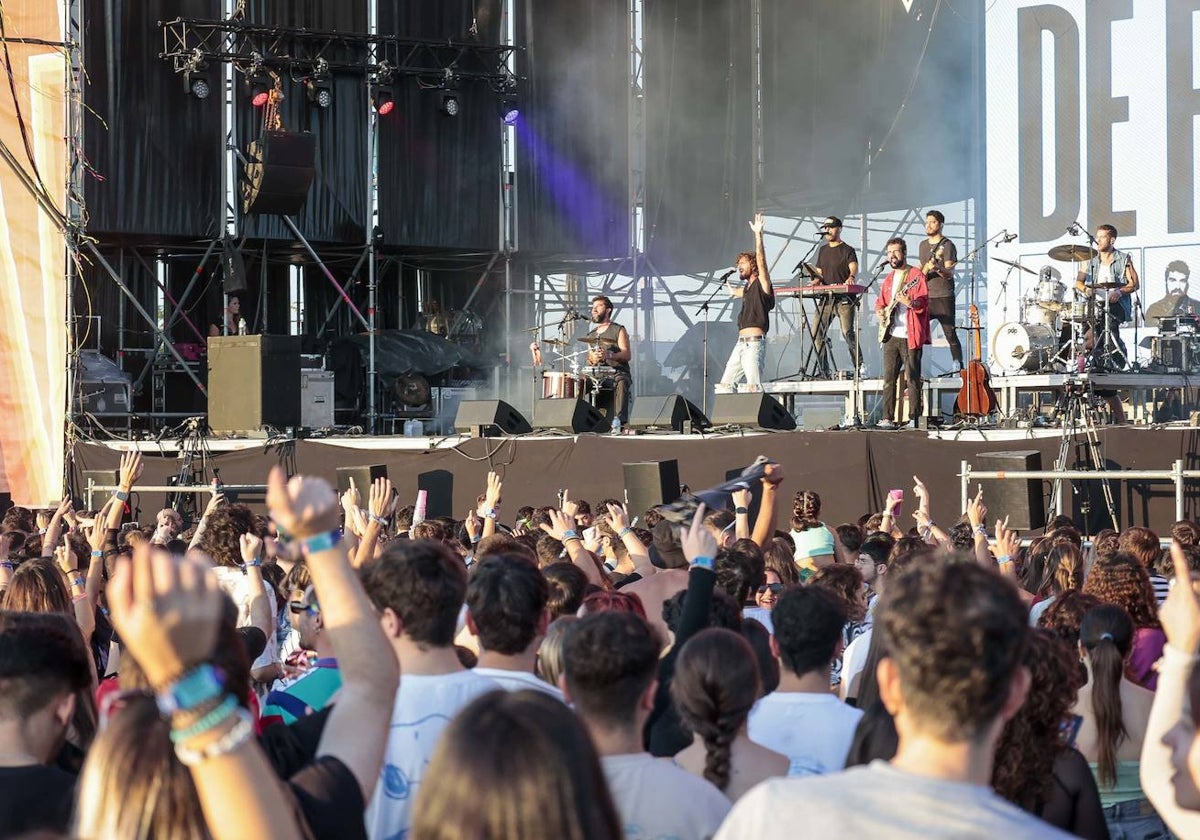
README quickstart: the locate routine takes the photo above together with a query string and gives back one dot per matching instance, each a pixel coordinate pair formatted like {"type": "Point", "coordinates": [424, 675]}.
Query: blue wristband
{"type": "Point", "coordinates": [195, 688]}
{"type": "Point", "coordinates": [320, 542]}
{"type": "Point", "coordinates": [570, 534]}
{"type": "Point", "coordinates": [704, 563]}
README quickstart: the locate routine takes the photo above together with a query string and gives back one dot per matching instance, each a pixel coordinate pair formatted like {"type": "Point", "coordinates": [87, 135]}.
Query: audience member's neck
{"type": "Point", "coordinates": [523, 662]}
{"type": "Point", "coordinates": [425, 659]}
{"type": "Point", "coordinates": [810, 682]}
{"type": "Point", "coordinates": [960, 761]}
{"type": "Point", "coordinates": [616, 740]}
{"type": "Point", "coordinates": [323, 648]}
{"type": "Point", "coordinates": [18, 747]}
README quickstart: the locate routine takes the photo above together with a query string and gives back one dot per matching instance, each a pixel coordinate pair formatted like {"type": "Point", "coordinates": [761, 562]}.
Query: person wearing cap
{"type": "Point", "coordinates": [836, 264]}
{"type": "Point", "coordinates": [758, 299]}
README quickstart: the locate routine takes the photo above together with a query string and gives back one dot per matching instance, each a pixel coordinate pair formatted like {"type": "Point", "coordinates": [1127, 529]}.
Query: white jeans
{"type": "Point", "coordinates": [745, 360]}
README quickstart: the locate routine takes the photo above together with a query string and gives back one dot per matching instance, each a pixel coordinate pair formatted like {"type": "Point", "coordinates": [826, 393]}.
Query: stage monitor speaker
{"type": "Point", "coordinates": [486, 418]}
{"type": "Point", "coordinates": [761, 410]}
{"type": "Point", "coordinates": [253, 382]}
{"type": "Point", "coordinates": [649, 484]}
{"type": "Point", "coordinates": [576, 416]}
{"type": "Point", "coordinates": [363, 477]}
{"type": "Point", "coordinates": [279, 172]}
{"type": "Point", "coordinates": [1020, 501]}
{"type": "Point", "coordinates": [674, 411]}
{"type": "Point", "coordinates": [98, 478]}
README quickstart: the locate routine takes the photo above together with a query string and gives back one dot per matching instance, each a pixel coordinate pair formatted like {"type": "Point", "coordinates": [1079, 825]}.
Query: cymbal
{"type": "Point", "coordinates": [555, 342]}
{"type": "Point", "coordinates": [593, 340]}
{"type": "Point", "coordinates": [1016, 265]}
{"type": "Point", "coordinates": [1115, 284]}
{"type": "Point", "coordinates": [1072, 253]}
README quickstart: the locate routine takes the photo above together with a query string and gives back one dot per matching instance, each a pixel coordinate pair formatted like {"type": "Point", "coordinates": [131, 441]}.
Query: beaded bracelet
{"type": "Point", "coordinates": [227, 743]}
{"type": "Point", "coordinates": [213, 718]}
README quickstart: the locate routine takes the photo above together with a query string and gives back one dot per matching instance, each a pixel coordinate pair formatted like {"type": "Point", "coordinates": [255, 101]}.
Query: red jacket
{"type": "Point", "coordinates": [917, 322]}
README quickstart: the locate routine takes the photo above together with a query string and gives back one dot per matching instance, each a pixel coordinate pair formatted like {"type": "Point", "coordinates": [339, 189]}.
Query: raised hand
{"type": "Point", "coordinates": [302, 507]}
{"type": "Point", "coordinates": [921, 492]}
{"type": "Point", "coordinates": [618, 518]}
{"type": "Point", "coordinates": [251, 547]}
{"type": "Point", "coordinates": [758, 224]}
{"type": "Point", "coordinates": [473, 524]}
{"type": "Point", "coordinates": [696, 540]}
{"type": "Point", "coordinates": [1180, 613]}
{"type": "Point", "coordinates": [131, 469]}
{"type": "Point", "coordinates": [1008, 541]}
{"type": "Point", "coordinates": [977, 510]}
{"type": "Point", "coordinates": [492, 495]}
{"type": "Point", "coordinates": [381, 499]}
{"type": "Point", "coordinates": [560, 523]}
{"type": "Point", "coordinates": [166, 611]}
{"type": "Point", "coordinates": [569, 506]}
{"type": "Point", "coordinates": [215, 501]}
{"type": "Point", "coordinates": [741, 498]}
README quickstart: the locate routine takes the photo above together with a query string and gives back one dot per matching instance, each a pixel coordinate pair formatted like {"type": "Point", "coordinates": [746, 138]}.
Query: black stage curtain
{"type": "Point", "coordinates": [573, 133]}
{"type": "Point", "coordinates": [842, 77]}
{"type": "Point", "coordinates": [336, 208]}
{"type": "Point", "coordinates": [699, 153]}
{"type": "Point", "coordinates": [439, 176]}
{"type": "Point", "coordinates": [155, 151]}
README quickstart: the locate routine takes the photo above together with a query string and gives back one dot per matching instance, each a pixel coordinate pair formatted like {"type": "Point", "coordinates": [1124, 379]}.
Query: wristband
{"type": "Point", "coordinates": [491, 514]}
{"type": "Point", "coordinates": [241, 732]}
{"type": "Point", "coordinates": [8, 564]}
{"type": "Point", "coordinates": [97, 552]}
{"type": "Point", "coordinates": [320, 542]}
{"type": "Point", "coordinates": [981, 531]}
{"type": "Point", "coordinates": [570, 534]}
{"type": "Point", "coordinates": [382, 520]}
{"type": "Point", "coordinates": [624, 532]}
{"type": "Point", "coordinates": [1002, 559]}
{"type": "Point", "coordinates": [41, 532]}
{"type": "Point", "coordinates": [193, 689]}
{"type": "Point", "coordinates": [79, 581]}
{"type": "Point", "coordinates": [210, 719]}
{"type": "Point", "coordinates": [740, 510]}
{"type": "Point", "coordinates": [475, 539]}
{"type": "Point", "coordinates": [122, 495]}
{"type": "Point", "coordinates": [704, 562]}
{"type": "Point", "coordinates": [256, 563]}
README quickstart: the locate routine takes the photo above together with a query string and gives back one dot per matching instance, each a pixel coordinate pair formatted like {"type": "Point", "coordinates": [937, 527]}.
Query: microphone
{"type": "Point", "coordinates": [1075, 229]}
{"type": "Point", "coordinates": [1008, 237]}
{"type": "Point", "coordinates": [884, 261]}
{"type": "Point", "coordinates": [728, 274]}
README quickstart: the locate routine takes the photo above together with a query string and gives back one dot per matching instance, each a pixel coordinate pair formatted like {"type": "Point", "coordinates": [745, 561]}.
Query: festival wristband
{"type": "Point", "coordinates": [741, 510]}
{"type": "Point", "coordinates": [320, 542]}
{"type": "Point", "coordinates": [236, 737]}
{"type": "Point", "coordinates": [704, 562]}
{"type": "Point", "coordinates": [195, 688]}
{"type": "Point", "coordinates": [122, 495]}
{"type": "Point", "coordinates": [1003, 558]}
{"type": "Point", "coordinates": [570, 534]}
{"type": "Point", "coordinates": [624, 532]}
{"type": "Point", "coordinates": [213, 718]}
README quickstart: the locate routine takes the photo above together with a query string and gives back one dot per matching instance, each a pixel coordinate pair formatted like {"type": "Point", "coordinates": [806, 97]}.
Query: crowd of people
{"type": "Point", "coordinates": [344, 668]}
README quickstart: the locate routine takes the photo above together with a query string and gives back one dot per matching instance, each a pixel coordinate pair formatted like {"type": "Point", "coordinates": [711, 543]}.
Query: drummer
{"type": "Point", "coordinates": [610, 349]}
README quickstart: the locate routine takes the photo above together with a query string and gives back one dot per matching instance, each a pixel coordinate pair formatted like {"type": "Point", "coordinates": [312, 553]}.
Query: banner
{"type": "Point", "coordinates": [33, 341]}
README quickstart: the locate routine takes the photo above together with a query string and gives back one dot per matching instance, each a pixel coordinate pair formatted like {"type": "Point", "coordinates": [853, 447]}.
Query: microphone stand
{"type": "Point", "coordinates": [858, 396]}
{"type": "Point", "coordinates": [703, 308]}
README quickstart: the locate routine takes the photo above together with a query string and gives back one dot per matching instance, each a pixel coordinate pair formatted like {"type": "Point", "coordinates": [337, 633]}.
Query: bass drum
{"type": "Point", "coordinates": [1024, 348]}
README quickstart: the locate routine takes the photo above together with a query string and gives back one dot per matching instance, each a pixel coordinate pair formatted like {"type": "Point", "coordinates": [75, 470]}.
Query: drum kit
{"type": "Point", "coordinates": [1050, 333]}
{"type": "Point", "coordinates": [573, 380]}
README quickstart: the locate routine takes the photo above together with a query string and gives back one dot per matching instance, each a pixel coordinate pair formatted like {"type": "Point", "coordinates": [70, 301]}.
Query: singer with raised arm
{"type": "Point", "coordinates": [903, 312]}
{"type": "Point", "coordinates": [837, 264]}
{"type": "Point", "coordinates": [608, 358]}
{"type": "Point", "coordinates": [758, 299]}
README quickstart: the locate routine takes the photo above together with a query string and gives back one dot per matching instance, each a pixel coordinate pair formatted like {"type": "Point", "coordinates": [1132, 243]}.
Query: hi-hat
{"type": "Point", "coordinates": [1072, 253]}
{"type": "Point", "coordinates": [1016, 265]}
{"type": "Point", "coordinates": [554, 342]}
{"type": "Point", "coordinates": [593, 339]}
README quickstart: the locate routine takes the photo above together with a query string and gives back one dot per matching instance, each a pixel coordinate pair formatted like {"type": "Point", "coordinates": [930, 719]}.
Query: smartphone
{"type": "Point", "coordinates": [896, 494]}
{"type": "Point", "coordinates": [129, 526]}
{"type": "Point", "coordinates": [591, 535]}
{"type": "Point", "coordinates": [1070, 729]}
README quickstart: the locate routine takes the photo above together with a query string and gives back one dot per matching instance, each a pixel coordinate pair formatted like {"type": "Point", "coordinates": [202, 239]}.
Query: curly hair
{"type": "Point", "coordinates": [1063, 617]}
{"type": "Point", "coordinates": [716, 683]}
{"type": "Point", "coordinates": [1122, 580]}
{"type": "Point", "coordinates": [1186, 532]}
{"type": "Point", "coordinates": [1104, 544]}
{"type": "Point", "coordinates": [845, 583]}
{"type": "Point", "coordinates": [806, 510]}
{"type": "Point", "coordinates": [1032, 740]}
{"type": "Point", "coordinates": [750, 255]}
{"type": "Point", "coordinates": [430, 529]}
{"type": "Point", "coordinates": [223, 532]}
{"type": "Point", "coordinates": [740, 569]}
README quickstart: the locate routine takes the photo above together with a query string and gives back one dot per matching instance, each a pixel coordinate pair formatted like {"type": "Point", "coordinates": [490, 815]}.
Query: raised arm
{"type": "Point", "coordinates": [760, 253]}
{"type": "Point", "coordinates": [491, 498]}
{"type": "Point", "coordinates": [764, 524]}
{"type": "Point", "coordinates": [356, 732]}
{"type": "Point", "coordinates": [618, 518]}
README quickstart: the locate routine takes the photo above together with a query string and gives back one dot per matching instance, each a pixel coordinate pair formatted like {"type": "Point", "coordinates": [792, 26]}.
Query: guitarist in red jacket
{"type": "Point", "coordinates": [903, 312]}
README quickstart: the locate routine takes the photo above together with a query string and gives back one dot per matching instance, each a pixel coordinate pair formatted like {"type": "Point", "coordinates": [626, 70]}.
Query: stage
{"type": "Point", "coordinates": [851, 469]}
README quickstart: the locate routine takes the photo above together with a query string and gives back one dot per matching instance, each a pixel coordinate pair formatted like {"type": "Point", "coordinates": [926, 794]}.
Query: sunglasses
{"type": "Point", "coordinates": [299, 607]}
{"type": "Point", "coordinates": [772, 587]}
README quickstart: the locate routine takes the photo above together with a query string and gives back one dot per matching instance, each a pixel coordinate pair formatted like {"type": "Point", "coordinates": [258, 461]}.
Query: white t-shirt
{"type": "Point", "coordinates": [854, 659]}
{"type": "Point", "coordinates": [760, 614]}
{"type": "Point", "coordinates": [424, 707]}
{"type": "Point", "coordinates": [517, 680]}
{"type": "Point", "coordinates": [657, 799]}
{"type": "Point", "coordinates": [900, 313]}
{"type": "Point", "coordinates": [813, 730]}
{"type": "Point", "coordinates": [237, 587]}
{"type": "Point", "coordinates": [879, 801]}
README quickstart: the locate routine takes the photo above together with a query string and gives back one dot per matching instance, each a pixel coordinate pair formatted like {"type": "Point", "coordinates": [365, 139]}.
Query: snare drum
{"type": "Point", "coordinates": [1078, 310]}
{"type": "Point", "coordinates": [1033, 311]}
{"type": "Point", "coordinates": [1024, 347]}
{"type": "Point", "coordinates": [560, 386]}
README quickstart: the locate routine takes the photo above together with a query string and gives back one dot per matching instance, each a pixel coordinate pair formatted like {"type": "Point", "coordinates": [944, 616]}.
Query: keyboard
{"type": "Point", "coordinates": [821, 291]}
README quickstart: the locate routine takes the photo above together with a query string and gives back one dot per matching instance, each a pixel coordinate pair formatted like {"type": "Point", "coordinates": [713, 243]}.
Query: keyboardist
{"type": "Point", "coordinates": [836, 263]}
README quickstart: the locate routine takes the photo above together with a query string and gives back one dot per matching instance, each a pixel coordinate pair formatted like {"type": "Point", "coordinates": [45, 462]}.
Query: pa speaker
{"type": "Point", "coordinates": [672, 411]}
{"type": "Point", "coordinates": [1021, 501]}
{"type": "Point", "coordinates": [577, 416]}
{"type": "Point", "coordinates": [481, 418]}
{"type": "Point", "coordinates": [253, 381]}
{"type": "Point", "coordinates": [761, 410]}
{"type": "Point", "coordinates": [279, 172]}
{"type": "Point", "coordinates": [649, 484]}
{"type": "Point", "coordinates": [363, 476]}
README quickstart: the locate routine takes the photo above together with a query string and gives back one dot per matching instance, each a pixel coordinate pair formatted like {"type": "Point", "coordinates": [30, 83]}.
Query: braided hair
{"type": "Point", "coordinates": [806, 510]}
{"type": "Point", "coordinates": [715, 685]}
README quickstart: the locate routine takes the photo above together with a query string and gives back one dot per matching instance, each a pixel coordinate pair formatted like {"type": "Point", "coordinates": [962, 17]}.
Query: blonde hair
{"type": "Point", "coordinates": [132, 786]}
{"type": "Point", "coordinates": [550, 651]}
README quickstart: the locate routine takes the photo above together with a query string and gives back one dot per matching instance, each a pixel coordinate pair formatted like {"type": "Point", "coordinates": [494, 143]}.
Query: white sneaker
{"type": "Point", "coordinates": [886, 425]}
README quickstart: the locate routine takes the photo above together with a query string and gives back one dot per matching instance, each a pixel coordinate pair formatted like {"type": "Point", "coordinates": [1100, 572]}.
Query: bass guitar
{"type": "Point", "coordinates": [889, 311]}
{"type": "Point", "coordinates": [976, 397]}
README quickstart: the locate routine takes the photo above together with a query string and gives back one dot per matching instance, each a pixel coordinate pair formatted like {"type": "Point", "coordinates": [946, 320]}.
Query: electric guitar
{"type": "Point", "coordinates": [885, 320]}
{"type": "Point", "coordinates": [935, 261]}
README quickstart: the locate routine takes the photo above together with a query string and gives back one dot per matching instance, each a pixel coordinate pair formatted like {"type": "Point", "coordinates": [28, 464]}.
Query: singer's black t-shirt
{"type": "Point", "coordinates": [755, 305]}
{"type": "Point", "coordinates": [834, 262]}
{"type": "Point", "coordinates": [939, 286]}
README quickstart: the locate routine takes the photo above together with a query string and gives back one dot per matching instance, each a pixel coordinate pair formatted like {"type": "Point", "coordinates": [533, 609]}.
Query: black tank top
{"type": "Point", "coordinates": [609, 335]}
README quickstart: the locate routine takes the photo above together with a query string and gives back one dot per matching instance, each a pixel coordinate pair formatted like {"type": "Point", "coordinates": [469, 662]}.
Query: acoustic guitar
{"type": "Point", "coordinates": [976, 397]}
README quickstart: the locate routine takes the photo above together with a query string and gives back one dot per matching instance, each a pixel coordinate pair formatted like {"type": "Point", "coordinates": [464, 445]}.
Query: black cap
{"type": "Point", "coordinates": [832, 221]}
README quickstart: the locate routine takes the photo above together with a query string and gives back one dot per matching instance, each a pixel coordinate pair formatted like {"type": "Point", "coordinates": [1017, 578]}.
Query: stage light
{"type": "Point", "coordinates": [319, 86]}
{"type": "Point", "coordinates": [383, 94]}
{"type": "Point", "coordinates": [450, 103]}
{"type": "Point", "coordinates": [258, 87]}
{"type": "Point", "coordinates": [509, 111]}
{"type": "Point", "coordinates": [197, 84]}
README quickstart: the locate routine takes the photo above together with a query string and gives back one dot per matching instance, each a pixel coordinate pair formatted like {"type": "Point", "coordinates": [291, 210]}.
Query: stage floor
{"type": "Point", "coordinates": [851, 469]}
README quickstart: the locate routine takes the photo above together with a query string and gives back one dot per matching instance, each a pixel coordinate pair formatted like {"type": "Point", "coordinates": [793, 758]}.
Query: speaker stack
{"type": "Point", "coordinates": [758, 410]}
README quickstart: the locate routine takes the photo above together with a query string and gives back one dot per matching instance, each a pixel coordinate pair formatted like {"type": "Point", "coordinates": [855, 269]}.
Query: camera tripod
{"type": "Point", "coordinates": [194, 457]}
{"type": "Point", "coordinates": [1077, 413]}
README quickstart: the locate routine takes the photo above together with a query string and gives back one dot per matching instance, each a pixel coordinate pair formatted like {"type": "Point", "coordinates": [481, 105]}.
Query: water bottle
{"type": "Point", "coordinates": [241, 326]}
{"type": "Point", "coordinates": [616, 425]}
{"type": "Point", "coordinates": [419, 508]}
{"type": "Point", "coordinates": [413, 428]}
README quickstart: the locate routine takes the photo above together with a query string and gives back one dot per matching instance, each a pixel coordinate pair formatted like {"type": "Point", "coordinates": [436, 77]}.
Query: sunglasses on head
{"type": "Point", "coordinates": [299, 607]}
{"type": "Point", "coordinates": [773, 587]}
